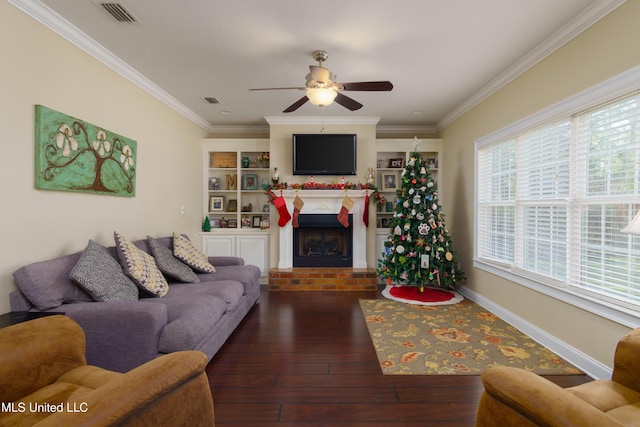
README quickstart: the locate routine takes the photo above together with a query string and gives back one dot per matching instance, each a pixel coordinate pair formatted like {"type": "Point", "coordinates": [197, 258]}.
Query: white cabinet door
{"type": "Point", "coordinates": [219, 245]}
{"type": "Point", "coordinates": [254, 249]}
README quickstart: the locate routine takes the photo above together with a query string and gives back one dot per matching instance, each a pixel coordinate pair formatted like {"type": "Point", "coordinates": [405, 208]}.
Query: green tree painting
{"type": "Point", "coordinates": [73, 155]}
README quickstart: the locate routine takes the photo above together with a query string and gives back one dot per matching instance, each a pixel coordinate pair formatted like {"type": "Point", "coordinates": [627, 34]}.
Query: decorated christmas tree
{"type": "Point", "coordinates": [418, 250]}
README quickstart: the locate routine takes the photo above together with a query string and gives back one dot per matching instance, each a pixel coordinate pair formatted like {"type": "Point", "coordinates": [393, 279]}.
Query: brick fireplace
{"type": "Point", "coordinates": [334, 274]}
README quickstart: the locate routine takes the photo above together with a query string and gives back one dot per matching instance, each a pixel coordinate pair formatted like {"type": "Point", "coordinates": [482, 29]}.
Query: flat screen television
{"type": "Point", "coordinates": [324, 154]}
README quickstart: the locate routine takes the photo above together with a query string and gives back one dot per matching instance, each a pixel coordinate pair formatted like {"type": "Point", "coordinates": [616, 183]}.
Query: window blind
{"type": "Point", "coordinates": [553, 199]}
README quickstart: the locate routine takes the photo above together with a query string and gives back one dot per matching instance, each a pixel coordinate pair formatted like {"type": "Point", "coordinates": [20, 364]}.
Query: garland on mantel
{"type": "Point", "coordinates": [311, 185]}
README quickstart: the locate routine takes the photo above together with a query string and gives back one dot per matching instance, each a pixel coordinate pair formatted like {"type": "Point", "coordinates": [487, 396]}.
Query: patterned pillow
{"type": "Point", "coordinates": [98, 273]}
{"type": "Point", "coordinates": [169, 264]}
{"type": "Point", "coordinates": [141, 267]}
{"type": "Point", "coordinates": [184, 250]}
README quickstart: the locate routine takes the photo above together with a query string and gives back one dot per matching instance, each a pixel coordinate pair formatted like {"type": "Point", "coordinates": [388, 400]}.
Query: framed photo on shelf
{"type": "Point", "coordinates": [216, 203]}
{"type": "Point", "coordinates": [250, 181]}
{"type": "Point", "coordinates": [432, 163]}
{"type": "Point", "coordinates": [232, 205]}
{"type": "Point", "coordinates": [396, 163]}
{"type": "Point", "coordinates": [255, 221]}
{"type": "Point", "coordinates": [233, 223]}
{"type": "Point", "coordinates": [389, 181]}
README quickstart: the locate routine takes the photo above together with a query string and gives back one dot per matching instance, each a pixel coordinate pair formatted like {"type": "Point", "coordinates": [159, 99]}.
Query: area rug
{"type": "Point", "coordinates": [457, 339]}
{"type": "Point", "coordinates": [425, 296]}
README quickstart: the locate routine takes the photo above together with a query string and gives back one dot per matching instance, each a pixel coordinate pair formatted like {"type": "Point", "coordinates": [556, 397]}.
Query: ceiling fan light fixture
{"type": "Point", "coordinates": [321, 96]}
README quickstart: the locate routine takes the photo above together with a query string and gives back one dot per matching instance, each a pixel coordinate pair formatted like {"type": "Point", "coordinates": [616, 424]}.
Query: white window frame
{"type": "Point", "coordinates": [606, 91]}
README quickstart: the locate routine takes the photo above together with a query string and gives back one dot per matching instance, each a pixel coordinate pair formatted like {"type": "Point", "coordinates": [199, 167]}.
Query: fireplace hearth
{"type": "Point", "coordinates": [321, 241]}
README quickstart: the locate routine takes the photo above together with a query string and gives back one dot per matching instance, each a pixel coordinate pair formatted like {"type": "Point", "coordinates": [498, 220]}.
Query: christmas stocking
{"type": "Point", "coordinates": [343, 216]}
{"type": "Point", "coordinates": [365, 215]}
{"type": "Point", "coordinates": [297, 207]}
{"type": "Point", "coordinates": [281, 205]}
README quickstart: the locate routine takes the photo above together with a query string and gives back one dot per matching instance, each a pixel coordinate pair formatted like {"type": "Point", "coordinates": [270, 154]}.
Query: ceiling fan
{"type": "Point", "coordinates": [322, 89]}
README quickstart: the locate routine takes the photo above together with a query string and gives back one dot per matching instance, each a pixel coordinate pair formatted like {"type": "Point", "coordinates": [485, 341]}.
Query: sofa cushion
{"type": "Point", "coordinates": [230, 291]}
{"type": "Point", "coordinates": [141, 267]}
{"type": "Point", "coordinates": [169, 264]}
{"type": "Point", "coordinates": [248, 275]}
{"type": "Point", "coordinates": [47, 284]}
{"type": "Point", "coordinates": [101, 276]}
{"type": "Point", "coordinates": [184, 250]}
{"type": "Point", "coordinates": [190, 316]}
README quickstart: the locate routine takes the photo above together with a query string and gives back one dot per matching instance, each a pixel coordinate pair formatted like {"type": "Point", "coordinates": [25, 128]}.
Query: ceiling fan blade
{"type": "Point", "coordinates": [299, 103]}
{"type": "Point", "coordinates": [347, 102]}
{"type": "Point", "coordinates": [368, 86]}
{"type": "Point", "coordinates": [279, 88]}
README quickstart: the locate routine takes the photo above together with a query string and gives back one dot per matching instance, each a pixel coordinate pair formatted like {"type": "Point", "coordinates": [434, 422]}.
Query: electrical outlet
{"type": "Point", "coordinates": [182, 209]}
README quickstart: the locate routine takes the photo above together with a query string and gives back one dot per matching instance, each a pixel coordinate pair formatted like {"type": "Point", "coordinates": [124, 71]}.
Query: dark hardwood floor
{"type": "Point", "coordinates": [306, 359]}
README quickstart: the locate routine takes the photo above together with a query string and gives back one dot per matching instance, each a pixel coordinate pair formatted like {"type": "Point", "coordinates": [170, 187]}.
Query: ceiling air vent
{"type": "Point", "coordinates": [120, 13]}
{"type": "Point", "coordinates": [211, 100]}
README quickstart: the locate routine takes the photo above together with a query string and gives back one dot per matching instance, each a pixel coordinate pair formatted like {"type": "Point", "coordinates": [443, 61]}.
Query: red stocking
{"type": "Point", "coordinates": [343, 216]}
{"type": "Point", "coordinates": [365, 214]}
{"type": "Point", "coordinates": [281, 205]}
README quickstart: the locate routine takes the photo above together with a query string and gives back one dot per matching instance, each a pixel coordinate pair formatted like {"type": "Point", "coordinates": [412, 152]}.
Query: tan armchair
{"type": "Point", "coordinates": [514, 397]}
{"type": "Point", "coordinates": [45, 381]}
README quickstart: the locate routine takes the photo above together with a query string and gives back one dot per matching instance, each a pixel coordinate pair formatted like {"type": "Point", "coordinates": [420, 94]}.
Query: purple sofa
{"type": "Point", "coordinates": [123, 335]}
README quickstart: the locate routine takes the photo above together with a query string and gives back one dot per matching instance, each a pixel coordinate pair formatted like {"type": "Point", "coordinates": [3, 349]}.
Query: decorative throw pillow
{"type": "Point", "coordinates": [141, 267]}
{"type": "Point", "coordinates": [184, 250]}
{"type": "Point", "coordinates": [169, 264]}
{"type": "Point", "coordinates": [100, 275]}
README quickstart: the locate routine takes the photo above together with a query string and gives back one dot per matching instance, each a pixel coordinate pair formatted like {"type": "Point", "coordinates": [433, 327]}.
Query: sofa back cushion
{"type": "Point", "coordinates": [47, 283]}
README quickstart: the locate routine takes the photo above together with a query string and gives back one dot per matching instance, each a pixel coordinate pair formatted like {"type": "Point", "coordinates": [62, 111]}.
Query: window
{"type": "Point", "coordinates": [551, 199]}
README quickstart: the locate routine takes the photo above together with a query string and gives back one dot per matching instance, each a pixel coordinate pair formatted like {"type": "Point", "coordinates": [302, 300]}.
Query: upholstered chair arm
{"type": "Point", "coordinates": [171, 390]}
{"type": "Point", "coordinates": [626, 363]}
{"type": "Point", "coordinates": [515, 397]}
{"type": "Point", "coordinates": [35, 354]}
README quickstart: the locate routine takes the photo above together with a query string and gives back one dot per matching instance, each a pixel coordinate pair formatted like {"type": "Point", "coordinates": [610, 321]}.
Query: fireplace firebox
{"type": "Point", "coordinates": [320, 240]}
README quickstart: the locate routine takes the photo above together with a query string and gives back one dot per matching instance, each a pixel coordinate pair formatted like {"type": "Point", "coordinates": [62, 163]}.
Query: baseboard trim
{"type": "Point", "coordinates": [590, 366]}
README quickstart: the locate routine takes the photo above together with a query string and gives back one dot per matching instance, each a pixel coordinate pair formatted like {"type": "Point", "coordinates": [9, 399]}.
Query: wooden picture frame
{"type": "Point", "coordinates": [216, 204]}
{"type": "Point", "coordinates": [389, 181]}
{"type": "Point", "coordinates": [250, 181]}
{"type": "Point", "coordinates": [232, 205]}
{"type": "Point", "coordinates": [255, 221]}
{"type": "Point", "coordinates": [396, 163]}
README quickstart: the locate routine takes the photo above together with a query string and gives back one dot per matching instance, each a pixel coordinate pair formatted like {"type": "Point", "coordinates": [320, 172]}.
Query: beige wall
{"type": "Point", "coordinates": [39, 67]}
{"type": "Point", "coordinates": [606, 49]}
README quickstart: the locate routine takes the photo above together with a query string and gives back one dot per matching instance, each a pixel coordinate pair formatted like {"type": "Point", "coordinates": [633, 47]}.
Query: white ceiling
{"type": "Point", "coordinates": [441, 56]}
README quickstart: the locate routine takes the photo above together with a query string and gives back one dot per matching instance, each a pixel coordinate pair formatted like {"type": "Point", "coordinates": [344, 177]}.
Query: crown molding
{"type": "Point", "coordinates": [414, 130]}
{"type": "Point", "coordinates": [592, 14]}
{"type": "Point", "coordinates": [279, 120]}
{"type": "Point", "coordinates": [71, 33]}
{"type": "Point", "coordinates": [240, 129]}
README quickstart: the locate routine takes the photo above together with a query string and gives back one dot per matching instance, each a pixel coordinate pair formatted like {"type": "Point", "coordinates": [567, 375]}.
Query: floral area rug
{"type": "Point", "coordinates": [457, 339]}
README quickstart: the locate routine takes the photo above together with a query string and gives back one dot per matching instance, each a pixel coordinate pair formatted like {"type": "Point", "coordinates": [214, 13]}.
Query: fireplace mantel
{"type": "Point", "coordinates": [325, 202]}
